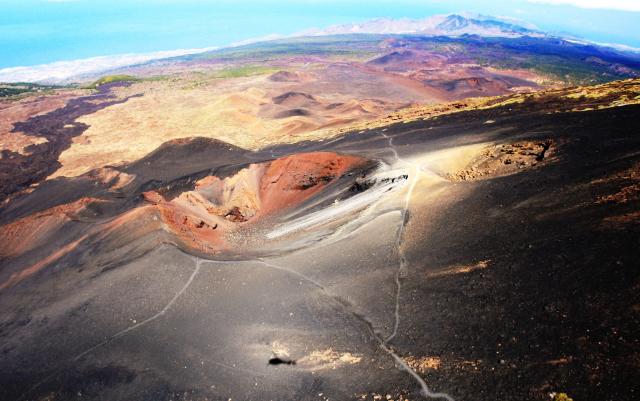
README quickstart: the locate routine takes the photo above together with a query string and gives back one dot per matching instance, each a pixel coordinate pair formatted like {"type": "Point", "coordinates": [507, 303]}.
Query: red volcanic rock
{"type": "Point", "coordinates": [37, 231]}
{"type": "Point", "coordinates": [235, 215]}
{"type": "Point", "coordinates": [153, 197]}
{"type": "Point", "coordinates": [32, 231]}
{"type": "Point", "coordinates": [203, 218]}
{"type": "Point", "coordinates": [34, 268]}
{"type": "Point", "coordinates": [291, 180]}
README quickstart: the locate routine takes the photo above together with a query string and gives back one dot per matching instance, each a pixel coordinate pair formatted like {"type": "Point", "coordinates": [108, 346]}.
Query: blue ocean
{"type": "Point", "coordinates": [36, 32]}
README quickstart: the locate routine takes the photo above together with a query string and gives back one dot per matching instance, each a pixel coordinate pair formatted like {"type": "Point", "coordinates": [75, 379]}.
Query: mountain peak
{"type": "Point", "coordinates": [454, 22]}
{"type": "Point", "coordinates": [449, 25]}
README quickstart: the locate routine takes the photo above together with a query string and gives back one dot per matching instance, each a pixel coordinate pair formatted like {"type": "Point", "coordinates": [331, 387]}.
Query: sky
{"type": "Point", "coordinates": [34, 32]}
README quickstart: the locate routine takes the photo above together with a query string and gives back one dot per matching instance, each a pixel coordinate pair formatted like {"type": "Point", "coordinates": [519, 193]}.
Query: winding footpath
{"type": "Point", "coordinates": [402, 273]}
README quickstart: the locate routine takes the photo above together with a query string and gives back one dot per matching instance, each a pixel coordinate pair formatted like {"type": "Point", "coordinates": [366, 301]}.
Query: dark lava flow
{"type": "Point", "coordinates": [58, 127]}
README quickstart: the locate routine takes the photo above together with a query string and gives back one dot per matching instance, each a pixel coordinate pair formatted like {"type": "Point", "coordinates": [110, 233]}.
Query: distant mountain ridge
{"type": "Point", "coordinates": [445, 25]}
{"type": "Point", "coordinates": [456, 26]}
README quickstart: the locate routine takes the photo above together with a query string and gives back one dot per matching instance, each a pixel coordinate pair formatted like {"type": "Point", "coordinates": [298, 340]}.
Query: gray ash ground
{"type": "Point", "coordinates": [517, 286]}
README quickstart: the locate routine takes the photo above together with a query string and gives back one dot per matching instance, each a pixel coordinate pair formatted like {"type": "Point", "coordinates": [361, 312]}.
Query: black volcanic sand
{"type": "Point", "coordinates": [557, 308]}
{"type": "Point", "coordinates": [58, 127]}
{"type": "Point", "coordinates": [549, 304]}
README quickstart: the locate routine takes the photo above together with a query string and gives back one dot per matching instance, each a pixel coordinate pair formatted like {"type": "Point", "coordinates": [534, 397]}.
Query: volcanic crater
{"type": "Point", "coordinates": [206, 210]}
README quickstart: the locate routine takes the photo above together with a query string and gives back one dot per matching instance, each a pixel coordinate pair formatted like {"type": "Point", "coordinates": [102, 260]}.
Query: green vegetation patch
{"type": "Point", "coordinates": [112, 78]}
{"type": "Point", "coordinates": [10, 90]}
{"type": "Point", "coordinates": [343, 45]}
{"type": "Point", "coordinates": [245, 71]}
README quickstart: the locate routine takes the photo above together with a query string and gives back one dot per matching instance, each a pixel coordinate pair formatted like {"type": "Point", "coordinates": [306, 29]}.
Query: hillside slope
{"type": "Point", "coordinates": [485, 249]}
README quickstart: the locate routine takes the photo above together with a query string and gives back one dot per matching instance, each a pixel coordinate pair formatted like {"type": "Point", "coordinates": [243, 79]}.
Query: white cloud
{"type": "Point", "coordinates": [624, 5]}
